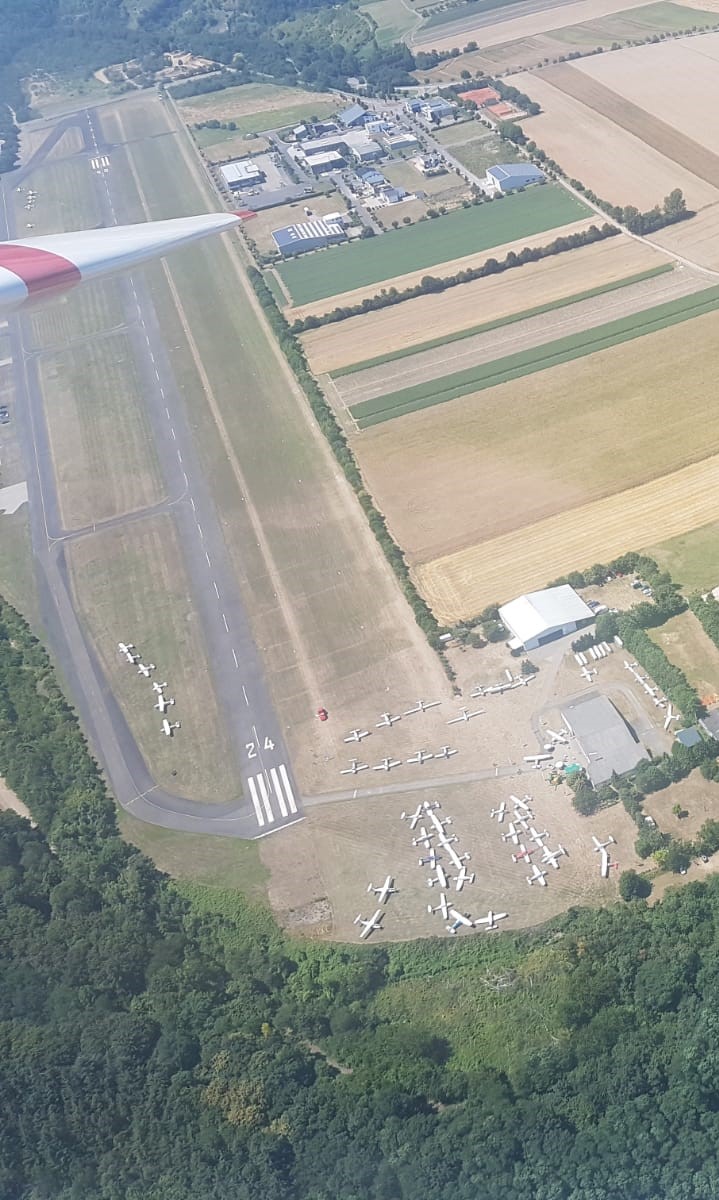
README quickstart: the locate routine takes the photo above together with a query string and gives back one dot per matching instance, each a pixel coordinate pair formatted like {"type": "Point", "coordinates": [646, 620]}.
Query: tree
{"type": "Point", "coordinates": [675, 206]}
{"type": "Point", "coordinates": [633, 886]}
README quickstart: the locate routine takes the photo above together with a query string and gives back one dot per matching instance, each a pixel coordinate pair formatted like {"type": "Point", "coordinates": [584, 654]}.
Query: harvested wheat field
{"type": "Point", "coordinates": [488, 31]}
{"type": "Point", "coordinates": [697, 240]}
{"type": "Point", "coordinates": [414, 321]}
{"type": "Point", "coordinates": [460, 585]}
{"type": "Point", "coordinates": [496, 462]}
{"type": "Point", "coordinates": [614, 163]}
{"type": "Point", "coordinates": [318, 307]}
{"type": "Point", "coordinates": [246, 99]}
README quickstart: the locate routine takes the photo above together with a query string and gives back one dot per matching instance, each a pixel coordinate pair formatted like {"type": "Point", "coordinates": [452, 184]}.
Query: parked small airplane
{"type": "Point", "coordinates": [422, 756]}
{"type": "Point", "coordinates": [129, 651]}
{"type": "Point", "coordinates": [159, 687]}
{"type": "Point", "coordinates": [537, 835]}
{"type": "Point", "coordinates": [145, 670]}
{"type": "Point", "coordinates": [370, 924]}
{"type": "Point", "coordinates": [552, 856]}
{"type": "Point", "coordinates": [424, 837]}
{"type": "Point", "coordinates": [457, 859]}
{"type": "Point", "coordinates": [442, 907]}
{"type": "Point", "coordinates": [445, 839]}
{"type": "Point", "coordinates": [445, 752]}
{"type": "Point", "coordinates": [386, 721]}
{"type": "Point", "coordinates": [440, 877]}
{"type": "Point", "coordinates": [383, 892]}
{"type": "Point", "coordinates": [413, 818]}
{"type": "Point", "coordinates": [465, 715]}
{"type": "Point", "coordinates": [602, 845]}
{"type": "Point", "coordinates": [163, 703]}
{"type": "Point", "coordinates": [523, 804]}
{"type": "Point", "coordinates": [511, 835]}
{"type": "Point", "coordinates": [356, 735]}
{"type": "Point", "coordinates": [463, 876]}
{"type": "Point", "coordinates": [458, 919]}
{"type": "Point", "coordinates": [537, 876]}
{"type": "Point", "coordinates": [490, 920]}
{"type": "Point", "coordinates": [537, 759]}
{"type": "Point", "coordinates": [387, 764]}
{"type": "Point", "coordinates": [169, 727]}
{"type": "Point", "coordinates": [499, 812]}
{"type": "Point", "coordinates": [430, 860]}
{"type": "Point", "coordinates": [524, 853]}
{"type": "Point", "coordinates": [354, 767]}
{"type": "Point", "coordinates": [422, 706]}
{"type": "Point", "coordinates": [439, 822]}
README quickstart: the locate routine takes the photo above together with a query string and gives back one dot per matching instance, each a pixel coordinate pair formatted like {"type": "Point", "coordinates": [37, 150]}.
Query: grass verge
{"type": "Point", "coordinates": [218, 863]}
{"type": "Point", "coordinates": [691, 558]}
{"type": "Point", "coordinates": [538, 358]}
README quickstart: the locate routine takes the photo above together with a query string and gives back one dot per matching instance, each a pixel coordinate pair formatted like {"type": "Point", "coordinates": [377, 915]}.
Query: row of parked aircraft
{"type": "Point", "coordinates": [163, 702]}
{"type": "Point", "coordinates": [388, 764]}
{"type": "Point", "coordinates": [507, 685]}
{"type": "Point", "coordinates": [520, 831]}
{"type": "Point", "coordinates": [383, 893]}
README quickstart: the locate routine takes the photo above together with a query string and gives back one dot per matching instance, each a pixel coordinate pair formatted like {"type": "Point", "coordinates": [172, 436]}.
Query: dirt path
{"type": "Point", "coordinates": [10, 803]}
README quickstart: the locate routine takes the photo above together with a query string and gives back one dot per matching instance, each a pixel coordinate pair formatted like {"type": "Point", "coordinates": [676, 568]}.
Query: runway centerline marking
{"type": "Point", "coordinates": [244, 693]}
{"type": "Point", "coordinates": [227, 628]}
{"type": "Point", "coordinates": [217, 590]}
{"type": "Point", "coordinates": [209, 563]}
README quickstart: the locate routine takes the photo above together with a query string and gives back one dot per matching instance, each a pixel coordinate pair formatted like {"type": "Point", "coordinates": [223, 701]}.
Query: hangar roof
{"type": "Point", "coordinates": [605, 739]}
{"type": "Point", "coordinates": [536, 613]}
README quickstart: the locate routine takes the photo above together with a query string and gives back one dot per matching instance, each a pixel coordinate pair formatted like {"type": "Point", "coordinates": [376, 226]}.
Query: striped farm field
{"type": "Point", "coordinates": [460, 585]}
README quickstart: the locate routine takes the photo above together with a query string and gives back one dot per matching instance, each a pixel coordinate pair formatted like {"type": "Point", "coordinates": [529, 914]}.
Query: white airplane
{"type": "Point", "coordinates": [169, 727]}
{"type": "Point", "coordinates": [439, 822]}
{"type": "Point", "coordinates": [387, 764]}
{"type": "Point", "coordinates": [442, 907]}
{"type": "Point", "coordinates": [498, 812]}
{"type": "Point", "coordinates": [538, 836]}
{"type": "Point", "coordinates": [424, 838]}
{"type": "Point", "coordinates": [521, 823]}
{"type": "Point", "coordinates": [383, 892]}
{"type": "Point", "coordinates": [552, 856]}
{"type": "Point", "coordinates": [146, 670]}
{"type": "Point", "coordinates": [129, 651]}
{"type": "Point", "coordinates": [464, 876]}
{"type": "Point", "coordinates": [457, 859]}
{"type": "Point", "coordinates": [368, 925]}
{"type": "Point", "coordinates": [445, 752]}
{"type": "Point", "coordinates": [537, 876]}
{"type": "Point", "coordinates": [490, 920]}
{"type": "Point", "coordinates": [466, 715]}
{"type": "Point", "coordinates": [445, 839]}
{"type": "Point", "coordinates": [603, 862]}
{"type": "Point", "coordinates": [524, 853]}
{"type": "Point", "coordinates": [413, 818]}
{"type": "Point", "coordinates": [386, 721]}
{"type": "Point", "coordinates": [38, 267]}
{"type": "Point", "coordinates": [430, 860]}
{"type": "Point", "coordinates": [602, 845]}
{"type": "Point", "coordinates": [458, 919]}
{"type": "Point", "coordinates": [163, 703]}
{"type": "Point", "coordinates": [537, 759]}
{"type": "Point", "coordinates": [159, 687]}
{"type": "Point", "coordinates": [523, 804]}
{"type": "Point", "coordinates": [354, 767]}
{"type": "Point", "coordinates": [422, 706]}
{"type": "Point", "coordinates": [422, 756]}
{"type": "Point", "coordinates": [440, 878]}
{"type": "Point", "coordinates": [512, 834]}
{"type": "Point", "coordinates": [588, 674]}
{"type": "Point", "coordinates": [356, 735]}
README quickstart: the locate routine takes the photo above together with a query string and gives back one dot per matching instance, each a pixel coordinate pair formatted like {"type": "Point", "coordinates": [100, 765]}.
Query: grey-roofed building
{"type": "Point", "coordinates": [354, 116]}
{"type": "Point", "coordinates": [309, 235]}
{"type": "Point", "coordinates": [508, 177]}
{"type": "Point", "coordinates": [605, 741]}
{"type": "Point", "coordinates": [689, 737]}
{"type": "Point", "coordinates": [242, 173]}
{"type": "Point", "coordinates": [710, 723]}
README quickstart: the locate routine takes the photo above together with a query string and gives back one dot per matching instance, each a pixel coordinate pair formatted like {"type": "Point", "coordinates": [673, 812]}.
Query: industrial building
{"type": "Point", "coordinates": [541, 617]}
{"type": "Point", "coordinates": [606, 742]}
{"type": "Point", "coordinates": [309, 235]}
{"type": "Point", "coordinates": [508, 177]}
{"type": "Point", "coordinates": [243, 173]}
{"type": "Point", "coordinates": [354, 117]}
{"type": "Point", "coordinates": [402, 140]}
{"type": "Point", "coordinates": [325, 161]}
{"type": "Point", "coordinates": [436, 109]}
{"type": "Point", "coordinates": [353, 143]}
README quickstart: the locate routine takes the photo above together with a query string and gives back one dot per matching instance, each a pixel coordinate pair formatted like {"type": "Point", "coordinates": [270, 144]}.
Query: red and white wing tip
{"type": "Point", "coordinates": [31, 266]}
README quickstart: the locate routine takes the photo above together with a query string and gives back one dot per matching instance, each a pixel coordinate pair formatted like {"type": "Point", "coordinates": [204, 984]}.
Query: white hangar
{"type": "Point", "coordinates": [540, 617]}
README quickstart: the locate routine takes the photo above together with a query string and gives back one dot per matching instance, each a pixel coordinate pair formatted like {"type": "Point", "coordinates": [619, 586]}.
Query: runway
{"type": "Point", "coordinates": [270, 796]}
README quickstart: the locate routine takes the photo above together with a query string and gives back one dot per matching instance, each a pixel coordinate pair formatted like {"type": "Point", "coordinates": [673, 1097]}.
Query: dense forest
{"type": "Point", "coordinates": [150, 1051]}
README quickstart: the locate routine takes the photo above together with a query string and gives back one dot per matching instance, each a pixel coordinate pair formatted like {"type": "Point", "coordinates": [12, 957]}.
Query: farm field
{"type": "Point", "coordinates": [100, 436]}
{"type": "Point", "coordinates": [393, 19]}
{"type": "Point", "coordinates": [256, 106]}
{"type": "Point", "coordinates": [133, 578]}
{"type": "Point", "coordinates": [403, 328]}
{"type": "Point", "coordinates": [318, 307]}
{"type": "Point", "coordinates": [697, 239]}
{"type": "Point", "coordinates": [489, 29]}
{"type": "Point", "coordinates": [485, 451]}
{"type": "Point", "coordinates": [686, 645]}
{"type": "Point", "coordinates": [615, 163]}
{"type": "Point", "coordinates": [692, 559]}
{"type": "Point", "coordinates": [439, 387]}
{"type": "Point", "coordinates": [316, 276]}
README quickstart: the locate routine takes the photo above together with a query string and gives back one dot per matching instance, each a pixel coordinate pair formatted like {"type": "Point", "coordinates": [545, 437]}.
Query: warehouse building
{"type": "Point", "coordinates": [321, 164]}
{"type": "Point", "coordinates": [606, 742]}
{"type": "Point", "coordinates": [243, 173]}
{"type": "Point", "coordinates": [310, 235]}
{"type": "Point", "coordinates": [508, 177]}
{"type": "Point", "coordinates": [541, 617]}
{"type": "Point", "coordinates": [354, 117]}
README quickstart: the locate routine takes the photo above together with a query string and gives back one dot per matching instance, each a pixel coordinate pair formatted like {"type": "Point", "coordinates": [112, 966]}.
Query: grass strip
{"type": "Point", "coordinates": [538, 358]}
{"type": "Point", "coordinates": [499, 322]}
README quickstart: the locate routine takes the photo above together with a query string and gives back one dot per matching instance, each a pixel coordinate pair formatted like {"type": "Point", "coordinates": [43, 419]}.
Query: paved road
{"type": "Point", "coordinates": [271, 798]}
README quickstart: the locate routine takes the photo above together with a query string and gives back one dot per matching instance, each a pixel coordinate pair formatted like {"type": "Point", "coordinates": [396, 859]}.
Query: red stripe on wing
{"type": "Point", "coordinates": [38, 269]}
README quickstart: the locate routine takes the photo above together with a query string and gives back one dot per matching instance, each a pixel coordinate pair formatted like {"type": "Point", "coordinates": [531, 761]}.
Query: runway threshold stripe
{"type": "Point", "coordinates": [288, 788]}
{"type": "Point", "coordinates": [266, 798]}
{"type": "Point", "coordinates": [278, 790]}
{"type": "Point", "coordinates": [256, 802]}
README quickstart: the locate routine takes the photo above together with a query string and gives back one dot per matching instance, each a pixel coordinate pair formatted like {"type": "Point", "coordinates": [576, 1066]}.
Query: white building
{"type": "Point", "coordinates": [540, 617]}
{"type": "Point", "coordinates": [242, 173]}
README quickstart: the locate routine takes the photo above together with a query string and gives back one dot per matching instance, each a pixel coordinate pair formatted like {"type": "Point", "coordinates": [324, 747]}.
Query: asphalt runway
{"type": "Point", "coordinates": [270, 796]}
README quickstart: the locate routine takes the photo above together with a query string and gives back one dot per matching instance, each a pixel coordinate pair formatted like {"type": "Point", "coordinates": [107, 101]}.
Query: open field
{"type": "Point", "coordinates": [440, 189]}
{"type": "Point", "coordinates": [496, 298]}
{"type": "Point", "coordinates": [436, 386]}
{"type": "Point", "coordinates": [615, 163]}
{"type": "Point", "coordinates": [100, 436]}
{"type": "Point", "coordinates": [692, 559]}
{"type": "Point", "coordinates": [131, 581]}
{"type": "Point", "coordinates": [223, 144]}
{"type": "Point", "coordinates": [394, 19]}
{"type": "Point", "coordinates": [483, 152]}
{"type": "Point", "coordinates": [686, 645]}
{"type": "Point", "coordinates": [699, 799]}
{"type": "Point", "coordinates": [488, 30]}
{"type": "Point", "coordinates": [257, 106]}
{"type": "Point", "coordinates": [482, 227]}
{"type": "Point", "coordinates": [411, 278]}
{"type": "Point", "coordinates": [94, 308]}
{"type": "Point", "coordinates": [215, 862]}
{"type": "Point", "coordinates": [697, 240]}
{"type": "Point", "coordinates": [17, 580]}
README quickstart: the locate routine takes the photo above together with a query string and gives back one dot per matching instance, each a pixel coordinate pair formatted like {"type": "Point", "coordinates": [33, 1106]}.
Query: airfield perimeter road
{"type": "Point", "coordinates": [271, 799]}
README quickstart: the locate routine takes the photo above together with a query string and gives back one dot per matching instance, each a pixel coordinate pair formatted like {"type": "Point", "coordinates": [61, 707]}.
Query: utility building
{"type": "Point", "coordinates": [241, 174]}
{"type": "Point", "coordinates": [606, 742]}
{"type": "Point", "coordinates": [508, 177]}
{"type": "Point", "coordinates": [541, 617]}
{"type": "Point", "coordinates": [310, 235]}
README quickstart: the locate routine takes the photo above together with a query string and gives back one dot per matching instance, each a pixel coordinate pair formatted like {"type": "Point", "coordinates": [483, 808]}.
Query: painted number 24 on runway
{"type": "Point", "coordinates": [251, 747]}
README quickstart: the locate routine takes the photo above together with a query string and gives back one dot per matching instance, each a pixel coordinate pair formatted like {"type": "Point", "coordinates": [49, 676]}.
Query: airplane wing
{"type": "Point", "coordinates": [36, 266]}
